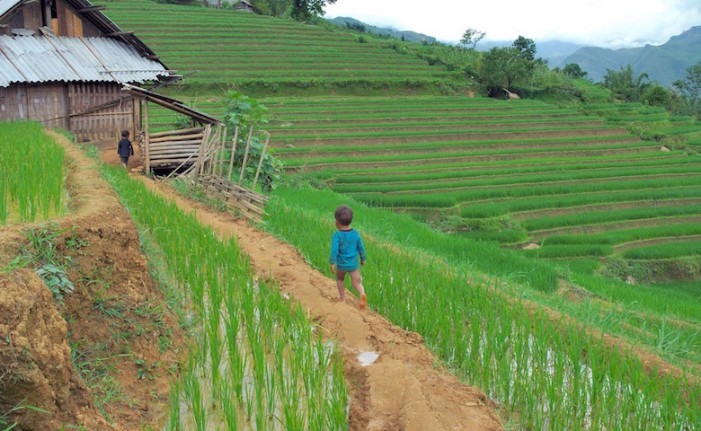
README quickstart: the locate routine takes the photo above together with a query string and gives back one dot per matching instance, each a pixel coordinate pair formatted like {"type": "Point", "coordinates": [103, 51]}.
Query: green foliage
{"type": "Point", "coordinates": [471, 37]}
{"type": "Point", "coordinates": [690, 87]}
{"type": "Point", "coordinates": [656, 95]}
{"type": "Point", "coordinates": [525, 47]}
{"type": "Point", "coordinates": [243, 111]}
{"type": "Point", "coordinates": [504, 68]}
{"type": "Point", "coordinates": [271, 168]}
{"type": "Point", "coordinates": [56, 280]}
{"type": "Point", "coordinates": [247, 114]}
{"type": "Point", "coordinates": [42, 253]}
{"type": "Point", "coordinates": [573, 70]}
{"type": "Point", "coordinates": [303, 10]}
{"type": "Point", "coordinates": [624, 85]}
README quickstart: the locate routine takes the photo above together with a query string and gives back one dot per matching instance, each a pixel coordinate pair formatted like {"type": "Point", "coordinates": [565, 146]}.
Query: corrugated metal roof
{"type": "Point", "coordinates": [71, 59]}
{"type": "Point", "coordinates": [6, 5]}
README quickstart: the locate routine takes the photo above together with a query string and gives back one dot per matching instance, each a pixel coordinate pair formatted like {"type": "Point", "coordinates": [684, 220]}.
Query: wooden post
{"type": "Point", "coordinates": [215, 151]}
{"type": "Point", "coordinates": [203, 152]}
{"type": "Point", "coordinates": [147, 156]}
{"type": "Point", "coordinates": [222, 145]}
{"type": "Point", "coordinates": [233, 152]}
{"type": "Point", "coordinates": [260, 162]}
{"type": "Point", "coordinates": [245, 155]}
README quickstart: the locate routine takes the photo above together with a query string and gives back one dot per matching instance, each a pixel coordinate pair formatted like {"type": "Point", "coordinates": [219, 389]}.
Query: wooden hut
{"type": "Point", "coordinates": [173, 149]}
{"type": "Point", "coordinates": [63, 62]}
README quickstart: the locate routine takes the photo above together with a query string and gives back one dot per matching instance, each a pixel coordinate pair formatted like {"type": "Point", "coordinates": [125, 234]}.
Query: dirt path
{"type": "Point", "coordinates": [403, 389]}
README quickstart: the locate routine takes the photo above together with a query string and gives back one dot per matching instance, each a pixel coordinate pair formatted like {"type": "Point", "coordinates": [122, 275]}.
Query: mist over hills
{"type": "Point", "coordinates": [410, 36]}
{"type": "Point", "coordinates": [665, 63]}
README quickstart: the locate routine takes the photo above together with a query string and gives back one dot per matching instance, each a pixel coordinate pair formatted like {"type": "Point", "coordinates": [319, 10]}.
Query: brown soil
{"type": "Point", "coordinates": [95, 359]}
{"type": "Point", "coordinates": [405, 389]}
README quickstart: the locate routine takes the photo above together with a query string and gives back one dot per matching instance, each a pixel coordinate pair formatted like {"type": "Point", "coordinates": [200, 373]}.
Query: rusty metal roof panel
{"type": "Point", "coordinates": [70, 59]}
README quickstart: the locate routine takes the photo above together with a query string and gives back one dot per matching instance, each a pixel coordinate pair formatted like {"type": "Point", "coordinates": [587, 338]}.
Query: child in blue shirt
{"type": "Point", "coordinates": [346, 248]}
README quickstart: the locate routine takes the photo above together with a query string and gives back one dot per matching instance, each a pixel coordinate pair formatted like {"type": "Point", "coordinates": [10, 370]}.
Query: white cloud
{"type": "Point", "coordinates": [610, 23]}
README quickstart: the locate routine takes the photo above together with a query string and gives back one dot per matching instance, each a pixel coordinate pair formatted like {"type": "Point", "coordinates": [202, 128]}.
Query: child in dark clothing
{"type": "Point", "coordinates": [346, 248]}
{"type": "Point", "coordinates": [124, 148]}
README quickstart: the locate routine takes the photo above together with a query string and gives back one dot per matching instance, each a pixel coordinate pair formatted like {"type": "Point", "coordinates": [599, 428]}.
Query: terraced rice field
{"type": "Point", "coordinates": [517, 172]}
{"type": "Point", "coordinates": [221, 48]}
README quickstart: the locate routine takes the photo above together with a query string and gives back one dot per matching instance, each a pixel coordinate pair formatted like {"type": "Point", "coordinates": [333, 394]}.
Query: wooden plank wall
{"type": "Point", "coordinates": [52, 103]}
{"type": "Point", "coordinates": [71, 23]}
{"type": "Point", "coordinates": [47, 103]}
{"type": "Point", "coordinates": [106, 124]}
{"type": "Point", "coordinates": [29, 17]}
{"type": "Point", "coordinates": [13, 103]}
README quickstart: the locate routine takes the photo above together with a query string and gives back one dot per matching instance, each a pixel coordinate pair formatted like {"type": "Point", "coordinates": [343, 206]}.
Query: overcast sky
{"type": "Point", "coordinates": [606, 23]}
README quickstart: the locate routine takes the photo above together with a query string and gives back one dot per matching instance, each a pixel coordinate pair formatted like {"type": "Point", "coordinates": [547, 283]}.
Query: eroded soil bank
{"type": "Point", "coordinates": [102, 357]}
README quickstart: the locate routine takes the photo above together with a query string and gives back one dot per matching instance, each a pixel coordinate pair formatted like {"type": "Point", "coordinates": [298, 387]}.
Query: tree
{"type": "Point", "coordinates": [574, 71]}
{"type": "Point", "coordinates": [304, 10]}
{"type": "Point", "coordinates": [690, 86]}
{"type": "Point", "coordinates": [471, 37]}
{"type": "Point", "coordinates": [503, 68]}
{"type": "Point", "coordinates": [525, 47]}
{"type": "Point", "coordinates": [656, 95]}
{"type": "Point", "coordinates": [624, 86]}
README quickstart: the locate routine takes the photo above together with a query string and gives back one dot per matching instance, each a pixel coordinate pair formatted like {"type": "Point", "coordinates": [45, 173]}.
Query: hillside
{"type": "Point", "coordinates": [567, 242]}
{"type": "Point", "coordinates": [410, 36]}
{"type": "Point", "coordinates": [216, 49]}
{"type": "Point", "coordinates": [665, 63]}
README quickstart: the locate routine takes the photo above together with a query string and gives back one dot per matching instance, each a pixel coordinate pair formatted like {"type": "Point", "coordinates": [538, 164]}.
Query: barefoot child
{"type": "Point", "coordinates": [346, 248]}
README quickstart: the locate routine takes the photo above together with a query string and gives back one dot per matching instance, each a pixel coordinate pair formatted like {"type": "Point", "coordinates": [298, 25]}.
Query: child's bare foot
{"type": "Point", "coordinates": [339, 300]}
{"type": "Point", "coordinates": [363, 302]}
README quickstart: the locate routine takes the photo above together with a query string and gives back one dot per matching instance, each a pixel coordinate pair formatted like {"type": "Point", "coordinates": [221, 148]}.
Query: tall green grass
{"type": "Point", "coordinates": [31, 173]}
{"type": "Point", "coordinates": [409, 233]}
{"type": "Point", "coordinates": [548, 373]}
{"type": "Point", "coordinates": [257, 362]}
{"type": "Point", "coordinates": [665, 251]}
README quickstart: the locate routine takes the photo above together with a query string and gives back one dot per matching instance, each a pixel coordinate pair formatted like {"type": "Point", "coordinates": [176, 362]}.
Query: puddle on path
{"type": "Point", "coordinates": [367, 358]}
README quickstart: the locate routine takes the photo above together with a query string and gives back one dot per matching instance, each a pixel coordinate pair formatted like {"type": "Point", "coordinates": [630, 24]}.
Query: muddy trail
{"type": "Point", "coordinates": [405, 388]}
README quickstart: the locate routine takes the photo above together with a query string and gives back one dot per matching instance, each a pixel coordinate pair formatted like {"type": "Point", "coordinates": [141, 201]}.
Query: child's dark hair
{"type": "Point", "coordinates": [125, 133]}
{"type": "Point", "coordinates": [344, 215]}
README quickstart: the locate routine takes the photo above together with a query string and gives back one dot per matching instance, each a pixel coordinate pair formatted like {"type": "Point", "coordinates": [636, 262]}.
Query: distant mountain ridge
{"type": "Point", "coordinates": [410, 36]}
{"type": "Point", "coordinates": [555, 51]}
{"type": "Point", "coordinates": [664, 64]}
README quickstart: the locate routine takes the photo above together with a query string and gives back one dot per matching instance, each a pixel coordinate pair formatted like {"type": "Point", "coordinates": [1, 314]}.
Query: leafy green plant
{"type": "Point", "coordinates": [246, 113]}
{"type": "Point", "coordinates": [56, 280]}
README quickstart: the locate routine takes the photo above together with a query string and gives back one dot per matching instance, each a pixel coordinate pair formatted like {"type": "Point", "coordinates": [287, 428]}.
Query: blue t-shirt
{"type": "Point", "coordinates": [346, 246]}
